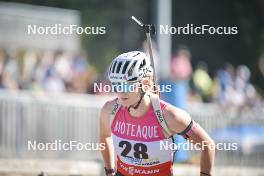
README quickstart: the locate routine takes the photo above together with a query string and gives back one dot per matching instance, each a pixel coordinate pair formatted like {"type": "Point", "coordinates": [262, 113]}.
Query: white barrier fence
{"type": "Point", "coordinates": [26, 117]}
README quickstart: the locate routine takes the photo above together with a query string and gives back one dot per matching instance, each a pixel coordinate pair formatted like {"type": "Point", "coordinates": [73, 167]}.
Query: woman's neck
{"type": "Point", "coordinates": [142, 108]}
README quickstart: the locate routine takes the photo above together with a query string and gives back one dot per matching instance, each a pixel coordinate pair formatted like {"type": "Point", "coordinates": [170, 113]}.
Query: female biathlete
{"type": "Point", "coordinates": [137, 125]}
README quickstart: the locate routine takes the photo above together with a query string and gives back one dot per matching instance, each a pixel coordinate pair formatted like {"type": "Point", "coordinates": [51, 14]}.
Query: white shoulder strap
{"type": "Point", "coordinates": [115, 109]}
{"type": "Point", "coordinates": [159, 115]}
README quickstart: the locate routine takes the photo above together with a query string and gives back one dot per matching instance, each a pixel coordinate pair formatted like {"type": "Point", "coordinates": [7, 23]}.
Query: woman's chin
{"type": "Point", "coordinates": [124, 103]}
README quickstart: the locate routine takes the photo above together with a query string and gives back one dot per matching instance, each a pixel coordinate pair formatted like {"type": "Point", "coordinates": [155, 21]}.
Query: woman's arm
{"type": "Point", "coordinates": [200, 137]}
{"type": "Point", "coordinates": [105, 136]}
{"type": "Point", "coordinates": [178, 120]}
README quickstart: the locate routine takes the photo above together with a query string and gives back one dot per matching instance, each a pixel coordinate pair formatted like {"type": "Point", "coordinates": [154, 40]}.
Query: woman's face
{"type": "Point", "coordinates": [133, 92]}
{"type": "Point", "coordinates": [131, 97]}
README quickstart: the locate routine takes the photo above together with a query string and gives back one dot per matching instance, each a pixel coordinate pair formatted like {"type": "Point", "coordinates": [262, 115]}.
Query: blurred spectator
{"type": "Point", "coordinates": [259, 77]}
{"type": "Point", "coordinates": [181, 71]}
{"type": "Point", "coordinates": [81, 73]}
{"type": "Point", "coordinates": [225, 79]}
{"type": "Point", "coordinates": [181, 68]}
{"type": "Point", "coordinates": [241, 84]}
{"type": "Point", "coordinates": [8, 71]}
{"type": "Point", "coordinates": [244, 85]}
{"type": "Point", "coordinates": [202, 82]}
{"type": "Point", "coordinates": [52, 81]}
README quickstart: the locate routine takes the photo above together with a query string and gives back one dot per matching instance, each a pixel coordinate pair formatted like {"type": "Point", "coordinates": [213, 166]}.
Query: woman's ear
{"type": "Point", "coordinates": [145, 84]}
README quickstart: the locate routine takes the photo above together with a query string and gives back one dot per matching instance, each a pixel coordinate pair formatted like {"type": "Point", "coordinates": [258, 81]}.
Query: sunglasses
{"type": "Point", "coordinates": [125, 87]}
